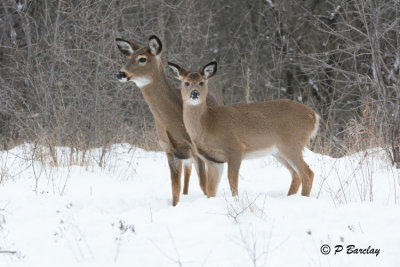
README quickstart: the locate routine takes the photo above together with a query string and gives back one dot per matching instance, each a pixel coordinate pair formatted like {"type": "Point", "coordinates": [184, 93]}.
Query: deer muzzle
{"type": "Point", "coordinates": [194, 94]}
{"type": "Point", "coordinates": [121, 75]}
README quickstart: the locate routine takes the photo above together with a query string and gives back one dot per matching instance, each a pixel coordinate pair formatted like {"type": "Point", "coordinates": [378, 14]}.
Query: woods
{"type": "Point", "coordinates": [58, 61]}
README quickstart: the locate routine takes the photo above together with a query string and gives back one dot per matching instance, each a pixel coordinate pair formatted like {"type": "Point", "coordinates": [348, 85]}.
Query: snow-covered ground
{"type": "Point", "coordinates": [121, 214]}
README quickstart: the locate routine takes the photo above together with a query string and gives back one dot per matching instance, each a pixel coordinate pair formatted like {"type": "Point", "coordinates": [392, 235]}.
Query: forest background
{"type": "Point", "coordinates": [58, 61]}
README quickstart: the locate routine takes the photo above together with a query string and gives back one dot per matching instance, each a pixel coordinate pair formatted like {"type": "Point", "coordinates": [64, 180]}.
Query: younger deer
{"type": "Point", "coordinates": [232, 133]}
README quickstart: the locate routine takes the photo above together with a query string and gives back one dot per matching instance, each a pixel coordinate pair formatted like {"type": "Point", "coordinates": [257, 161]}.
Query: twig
{"type": "Point", "coordinates": [8, 252]}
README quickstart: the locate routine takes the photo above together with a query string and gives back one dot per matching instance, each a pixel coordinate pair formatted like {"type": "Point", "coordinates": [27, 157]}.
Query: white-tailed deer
{"type": "Point", "coordinates": [145, 69]}
{"type": "Point", "coordinates": [232, 133]}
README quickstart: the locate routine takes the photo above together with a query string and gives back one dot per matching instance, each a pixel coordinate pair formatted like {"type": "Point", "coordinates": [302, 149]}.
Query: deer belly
{"type": "Point", "coordinates": [213, 156]}
{"type": "Point", "coordinates": [253, 154]}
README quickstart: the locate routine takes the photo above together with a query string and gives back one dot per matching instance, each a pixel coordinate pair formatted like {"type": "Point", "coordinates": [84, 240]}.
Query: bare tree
{"type": "Point", "coordinates": [58, 59]}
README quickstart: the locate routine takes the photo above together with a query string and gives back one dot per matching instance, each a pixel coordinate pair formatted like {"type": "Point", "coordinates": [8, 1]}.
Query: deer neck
{"type": "Point", "coordinates": [163, 100]}
{"type": "Point", "coordinates": [195, 119]}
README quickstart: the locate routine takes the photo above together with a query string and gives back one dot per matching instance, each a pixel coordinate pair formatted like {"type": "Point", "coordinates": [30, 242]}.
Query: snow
{"type": "Point", "coordinates": [334, 13]}
{"type": "Point", "coordinates": [270, 3]}
{"type": "Point", "coordinates": [20, 7]}
{"type": "Point", "coordinates": [121, 214]}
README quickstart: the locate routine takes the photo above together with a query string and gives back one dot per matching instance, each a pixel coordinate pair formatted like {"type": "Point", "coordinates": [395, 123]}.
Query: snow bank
{"type": "Point", "coordinates": [120, 214]}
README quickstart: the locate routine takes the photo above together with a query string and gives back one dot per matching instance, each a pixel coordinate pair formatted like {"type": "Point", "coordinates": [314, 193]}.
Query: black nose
{"type": "Point", "coordinates": [194, 94]}
{"type": "Point", "coordinates": [121, 75]}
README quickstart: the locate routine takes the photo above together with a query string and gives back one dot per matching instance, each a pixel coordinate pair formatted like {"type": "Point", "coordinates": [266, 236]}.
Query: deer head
{"type": "Point", "coordinates": [142, 63]}
{"type": "Point", "coordinates": [194, 84]}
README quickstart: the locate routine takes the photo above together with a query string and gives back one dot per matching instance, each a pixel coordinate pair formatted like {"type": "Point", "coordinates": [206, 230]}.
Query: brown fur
{"type": "Point", "coordinates": [228, 133]}
{"type": "Point", "coordinates": [165, 104]}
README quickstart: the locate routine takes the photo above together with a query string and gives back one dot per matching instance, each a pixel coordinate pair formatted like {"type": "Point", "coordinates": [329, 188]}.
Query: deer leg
{"type": "Point", "coordinates": [175, 167]}
{"type": "Point", "coordinates": [214, 172]}
{"type": "Point", "coordinates": [307, 183]}
{"type": "Point", "coordinates": [201, 172]}
{"type": "Point", "coordinates": [233, 174]}
{"type": "Point", "coordinates": [187, 170]}
{"type": "Point", "coordinates": [296, 161]}
{"type": "Point", "coordinates": [296, 182]}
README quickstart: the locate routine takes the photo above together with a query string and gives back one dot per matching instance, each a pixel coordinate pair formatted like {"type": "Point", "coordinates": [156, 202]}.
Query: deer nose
{"type": "Point", "coordinates": [121, 75]}
{"type": "Point", "coordinates": [194, 94]}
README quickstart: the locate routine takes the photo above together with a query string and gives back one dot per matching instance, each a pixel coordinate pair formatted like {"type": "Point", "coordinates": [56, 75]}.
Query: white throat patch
{"type": "Point", "coordinates": [192, 102]}
{"type": "Point", "coordinates": [141, 82]}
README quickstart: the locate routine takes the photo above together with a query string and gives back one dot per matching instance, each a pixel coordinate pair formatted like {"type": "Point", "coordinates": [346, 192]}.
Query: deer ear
{"type": "Point", "coordinates": [127, 48]}
{"type": "Point", "coordinates": [209, 70]}
{"type": "Point", "coordinates": [178, 71]}
{"type": "Point", "coordinates": [155, 45]}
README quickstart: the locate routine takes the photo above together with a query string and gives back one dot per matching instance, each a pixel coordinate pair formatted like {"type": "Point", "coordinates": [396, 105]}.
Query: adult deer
{"type": "Point", "coordinates": [144, 68]}
{"type": "Point", "coordinates": [231, 133]}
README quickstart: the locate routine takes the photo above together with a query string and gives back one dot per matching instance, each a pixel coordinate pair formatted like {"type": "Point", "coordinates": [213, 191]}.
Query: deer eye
{"type": "Point", "coordinates": [201, 83]}
{"type": "Point", "coordinates": [142, 60]}
{"type": "Point", "coordinates": [187, 83]}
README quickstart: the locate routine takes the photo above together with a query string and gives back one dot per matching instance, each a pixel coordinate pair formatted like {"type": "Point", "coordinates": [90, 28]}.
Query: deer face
{"type": "Point", "coordinates": [194, 88]}
{"type": "Point", "coordinates": [142, 61]}
{"type": "Point", "coordinates": [194, 84]}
